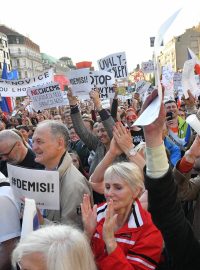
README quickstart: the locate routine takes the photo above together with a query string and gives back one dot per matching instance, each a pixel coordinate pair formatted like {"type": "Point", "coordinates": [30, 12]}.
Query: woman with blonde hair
{"type": "Point", "coordinates": [54, 247]}
{"type": "Point", "coordinates": [121, 231]}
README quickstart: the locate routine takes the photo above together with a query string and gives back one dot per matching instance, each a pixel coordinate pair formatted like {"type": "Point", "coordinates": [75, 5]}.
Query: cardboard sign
{"type": "Point", "coordinates": [167, 80]}
{"type": "Point", "coordinates": [115, 63]}
{"type": "Point", "coordinates": [83, 81]}
{"type": "Point", "coordinates": [46, 97]}
{"type": "Point", "coordinates": [104, 81]}
{"type": "Point", "coordinates": [147, 67]}
{"type": "Point", "coordinates": [18, 88]}
{"type": "Point", "coordinates": [40, 185]}
{"type": "Point", "coordinates": [177, 81]}
{"type": "Point", "coordinates": [80, 81]}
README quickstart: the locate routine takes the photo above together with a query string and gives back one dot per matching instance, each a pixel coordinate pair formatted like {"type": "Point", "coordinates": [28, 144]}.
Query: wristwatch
{"type": "Point", "coordinates": [131, 152]}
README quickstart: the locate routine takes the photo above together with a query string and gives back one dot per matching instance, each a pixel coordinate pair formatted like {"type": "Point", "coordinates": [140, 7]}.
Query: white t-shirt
{"type": "Point", "coordinates": [9, 215]}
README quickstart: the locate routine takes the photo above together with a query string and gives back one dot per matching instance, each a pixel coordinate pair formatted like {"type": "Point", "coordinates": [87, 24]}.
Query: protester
{"type": "Point", "coordinates": [50, 144]}
{"type": "Point", "coordinates": [16, 152]}
{"type": "Point", "coordinates": [121, 231]}
{"type": "Point", "coordinates": [58, 247]}
{"type": "Point", "coordinates": [178, 130]}
{"type": "Point", "coordinates": [166, 209]}
{"type": "Point", "coordinates": [25, 133]}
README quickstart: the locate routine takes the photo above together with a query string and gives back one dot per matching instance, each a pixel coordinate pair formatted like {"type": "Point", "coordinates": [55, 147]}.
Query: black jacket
{"type": "Point", "coordinates": [169, 217]}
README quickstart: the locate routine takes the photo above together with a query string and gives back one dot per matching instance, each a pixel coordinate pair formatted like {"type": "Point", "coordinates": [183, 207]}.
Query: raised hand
{"type": "Point", "coordinates": [94, 95]}
{"type": "Point", "coordinates": [109, 228]}
{"type": "Point", "coordinates": [72, 99]}
{"type": "Point", "coordinates": [115, 149]}
{"type": "Point", "coordinates": [153, 132]}
{"type": "Point", "coordinates": [89, 216]}
{"type": "Point", "coordinates": [123, 137]}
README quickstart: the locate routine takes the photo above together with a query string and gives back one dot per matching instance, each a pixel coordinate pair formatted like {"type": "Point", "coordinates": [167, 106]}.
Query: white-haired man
{"type": "Point", "coordinates": [50, 144]}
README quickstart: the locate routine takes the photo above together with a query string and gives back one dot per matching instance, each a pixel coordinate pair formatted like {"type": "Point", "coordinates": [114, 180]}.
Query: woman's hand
{"type": "Point", "coordinates": [123, 137]}
{"type": "Point", "coordinates": [89, 216]}
{"type": "Point", "coordinates": [115, 149]}
{"type": "Point", "coordinates": [109, 227]}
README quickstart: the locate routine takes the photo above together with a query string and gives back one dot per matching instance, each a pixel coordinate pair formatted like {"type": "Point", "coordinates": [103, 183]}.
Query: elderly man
{"type": "Point", "coordinates": [14, 151]}
{"type": "Point", "coordinates": [50, 144]}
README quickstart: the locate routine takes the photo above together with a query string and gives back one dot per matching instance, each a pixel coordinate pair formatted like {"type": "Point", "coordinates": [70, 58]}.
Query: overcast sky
{"type": "Point", "coordinates": [92, 29]}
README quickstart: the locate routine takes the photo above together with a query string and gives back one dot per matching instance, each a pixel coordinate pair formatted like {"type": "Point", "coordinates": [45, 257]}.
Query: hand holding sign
{"type": "Point", "coordinates": [94, 95]}
{"type": "Point", "coordinates": [72, 99]}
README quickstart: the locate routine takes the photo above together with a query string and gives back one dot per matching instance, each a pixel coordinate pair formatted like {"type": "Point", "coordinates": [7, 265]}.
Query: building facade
{"type": "Point", "coordinates": [4, 52]}
{"type": "Point", "coordinates": [175, 51]}
{"type": "Point", "coordinates": [24, 54]}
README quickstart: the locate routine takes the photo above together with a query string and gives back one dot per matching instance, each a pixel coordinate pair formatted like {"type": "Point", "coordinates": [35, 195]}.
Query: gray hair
{"type": "Point", "coordinates": [57, 129]}
{"type": "Point", "coordinates": [9, 135]}
{"type": "Point", "coordinates": [64, 248]}
{"type": "Point", "coordinates": [129, 172]}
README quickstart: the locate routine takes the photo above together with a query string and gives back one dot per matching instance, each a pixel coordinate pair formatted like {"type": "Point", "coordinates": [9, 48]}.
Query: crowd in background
{"type": "Point", "coordinates": [111, 217]}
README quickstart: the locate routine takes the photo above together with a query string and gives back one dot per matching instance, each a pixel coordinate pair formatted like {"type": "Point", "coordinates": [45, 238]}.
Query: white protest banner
{"type": "Point", "coordinates": [18, 88]}
{"type": "Point", "coordinates": [177, 81]}
{"type": "Point", "coordinates": [79, 81]}
{"type": "Point", "coordinates": [147, 67]}
{"type": "Point", "coordinates": [115, 63]}
{"type": "Point", "coordinates": [104, 81]}
{"type": "Point", "coordinates": [142, 87]}
{"type": "Point", "coordinates": [40, 185]}
{"type": "Point", "coordinates": [46, 97]}
{"type": "Point", "coordinates": [152, 111]}
{"type": "Point", "coordinates": [167, 80]}
{"type": "Point", "coordinates": [188, 76]}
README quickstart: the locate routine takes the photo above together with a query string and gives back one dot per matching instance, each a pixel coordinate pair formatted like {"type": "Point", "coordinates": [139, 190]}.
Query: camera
{"type": "Point", "coordinates": [169, 116]}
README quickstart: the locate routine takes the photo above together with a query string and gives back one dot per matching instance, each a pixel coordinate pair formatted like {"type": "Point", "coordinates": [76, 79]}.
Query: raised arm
{"type": "Point", "coordinates": [106, 118]}
{"type": "Point", "coordinates": [165, 208]}
{"type": "Point", "coordinates": [85, 135]}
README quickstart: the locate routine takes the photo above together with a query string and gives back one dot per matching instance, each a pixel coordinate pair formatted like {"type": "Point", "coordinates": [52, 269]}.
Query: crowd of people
{"type": "Point", "coordinates": [129, 195]}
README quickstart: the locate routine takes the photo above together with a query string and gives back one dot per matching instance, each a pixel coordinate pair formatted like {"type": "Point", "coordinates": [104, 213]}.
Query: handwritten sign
{"type": "Point", "coordinates": [46, 97]}
{"type": "Point", "coordinates": [115, 63]}
{"type": "Point", "coordinates": [147, 67]}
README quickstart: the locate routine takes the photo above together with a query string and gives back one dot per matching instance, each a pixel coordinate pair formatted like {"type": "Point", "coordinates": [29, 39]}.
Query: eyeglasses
{"type": "Point", "coordinates": [7, 154]}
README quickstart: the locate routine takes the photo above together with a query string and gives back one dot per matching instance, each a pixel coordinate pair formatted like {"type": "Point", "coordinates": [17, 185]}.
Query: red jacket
{"type": "Point", "coordinates": [139, 242]}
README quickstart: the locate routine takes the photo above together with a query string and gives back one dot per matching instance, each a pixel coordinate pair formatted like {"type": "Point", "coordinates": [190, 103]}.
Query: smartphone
{"type": "Point", "coordinates": [169, 116]}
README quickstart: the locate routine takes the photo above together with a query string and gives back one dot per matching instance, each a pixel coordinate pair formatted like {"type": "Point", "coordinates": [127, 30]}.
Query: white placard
{"type": "Point", "coordinates": [40, 185]}
{"type": "Point", "coordinates": [147, 67]}
{"type": "Point", "coordinates": [188, 77]}
{"type": "Point", "coordinates": [167, 80]}
{"type": "Point", "coordinates": [177, 81]}
{"type": "Point", "coordinates": [18, 88]}
{"type": "Point", "coordinates": [104, 81]}
{"type": "Point", "coordinates": [46, 97]}
{"type": "Point", "coordinates": [115, 63]}
{"type": "Point", "coordinates": [80, 81]}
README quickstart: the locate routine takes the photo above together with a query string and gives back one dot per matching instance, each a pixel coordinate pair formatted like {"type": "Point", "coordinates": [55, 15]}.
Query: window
{"type": "Point", "coordinates": [17, 40]}
{"type": "Point", "coordinates": [19, 51]}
